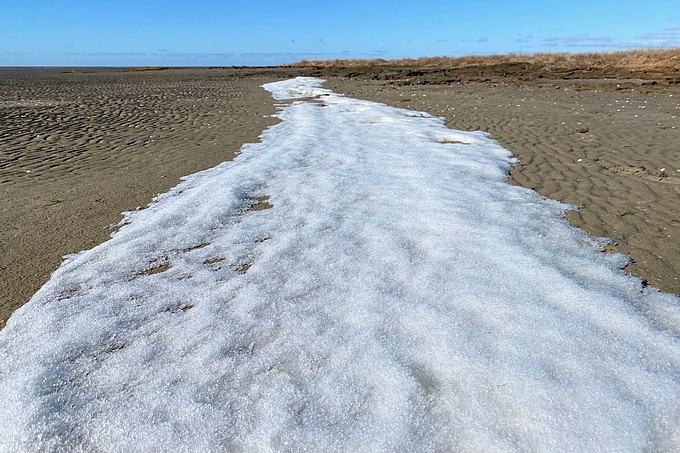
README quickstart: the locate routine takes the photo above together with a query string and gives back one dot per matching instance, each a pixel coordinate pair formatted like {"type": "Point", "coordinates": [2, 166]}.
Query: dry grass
{"type": "Point", "coordinates": [144, 68]}
{"type": "Point", "coordinates": [633, 60]}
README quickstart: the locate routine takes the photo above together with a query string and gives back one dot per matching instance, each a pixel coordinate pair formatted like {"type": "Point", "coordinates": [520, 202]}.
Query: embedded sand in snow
{"type": "Point", "coordinates": [397, 294]}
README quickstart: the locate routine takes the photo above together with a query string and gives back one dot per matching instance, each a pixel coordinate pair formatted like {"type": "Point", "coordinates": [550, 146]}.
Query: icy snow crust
{"type": "Point", "coordinates": [398, 296]}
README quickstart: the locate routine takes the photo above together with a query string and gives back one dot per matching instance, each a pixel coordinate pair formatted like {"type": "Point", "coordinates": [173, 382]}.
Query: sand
{"type": "Point", "coordinates": [77, 149]}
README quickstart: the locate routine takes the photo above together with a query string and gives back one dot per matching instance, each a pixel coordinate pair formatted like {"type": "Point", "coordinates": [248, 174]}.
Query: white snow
{"type": "Point", "coordinates": [398, 296]}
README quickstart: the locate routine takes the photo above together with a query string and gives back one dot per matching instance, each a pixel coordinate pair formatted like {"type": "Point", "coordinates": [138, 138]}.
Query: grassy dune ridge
{"type": "Point", "coordinates": [632, 60]}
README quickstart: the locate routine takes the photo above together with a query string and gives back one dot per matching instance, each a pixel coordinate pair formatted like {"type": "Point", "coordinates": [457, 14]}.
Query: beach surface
{"type": "Point", "coordinates": [78, 149]}
{"type": "Point", "coordinates": [362, 279]}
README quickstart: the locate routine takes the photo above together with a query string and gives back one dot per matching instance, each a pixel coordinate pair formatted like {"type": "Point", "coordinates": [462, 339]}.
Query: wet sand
{"type": "Point", "coordinates": [77, 149]}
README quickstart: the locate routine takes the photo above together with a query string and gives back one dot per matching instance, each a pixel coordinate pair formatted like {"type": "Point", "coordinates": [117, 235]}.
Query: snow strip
{"type": "Point", "coordinates": [397, 295]}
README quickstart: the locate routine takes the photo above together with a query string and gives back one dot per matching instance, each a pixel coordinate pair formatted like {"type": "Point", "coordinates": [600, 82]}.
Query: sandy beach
{"type": "Point", "coordinates": [77, 149]}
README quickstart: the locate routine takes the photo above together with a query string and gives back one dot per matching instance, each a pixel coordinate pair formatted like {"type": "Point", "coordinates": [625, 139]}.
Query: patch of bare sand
{"type": "Point", "coordinates": [77, 149]}
{"type": "Point", "coordinates": [615, 153]}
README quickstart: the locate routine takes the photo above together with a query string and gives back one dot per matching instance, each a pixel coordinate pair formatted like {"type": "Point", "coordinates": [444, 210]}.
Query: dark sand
{"type": "Point", "coordinates": [77, 149]}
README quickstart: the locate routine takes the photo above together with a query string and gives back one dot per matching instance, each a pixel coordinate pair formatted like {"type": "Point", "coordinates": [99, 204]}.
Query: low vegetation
{"type": "Point", "coordinates": [633, 60]}
{"type": "Point", "coordinates": [144, 68]}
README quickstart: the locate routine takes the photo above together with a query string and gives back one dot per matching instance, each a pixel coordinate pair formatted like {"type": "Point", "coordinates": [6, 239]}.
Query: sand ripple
{"type": "Point", "coordinates": [78, 149]}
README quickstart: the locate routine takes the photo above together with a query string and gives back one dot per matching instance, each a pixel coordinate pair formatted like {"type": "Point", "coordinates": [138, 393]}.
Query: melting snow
{"type": "Point", "coordinates": [396, 295]}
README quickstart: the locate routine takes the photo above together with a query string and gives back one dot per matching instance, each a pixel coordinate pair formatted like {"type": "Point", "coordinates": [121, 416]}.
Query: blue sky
{"type": "Point", "coordinates": [264, 32]}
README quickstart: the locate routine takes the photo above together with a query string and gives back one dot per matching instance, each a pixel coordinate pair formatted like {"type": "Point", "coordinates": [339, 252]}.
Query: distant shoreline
{"type": "Point", "coordinates": [665, 60]}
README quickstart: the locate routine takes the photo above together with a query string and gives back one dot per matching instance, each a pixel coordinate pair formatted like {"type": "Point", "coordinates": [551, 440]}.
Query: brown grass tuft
{"type": "Point", "coordinates": [143, 69]}
{"type": "Point", "coordinates": [632, 60]}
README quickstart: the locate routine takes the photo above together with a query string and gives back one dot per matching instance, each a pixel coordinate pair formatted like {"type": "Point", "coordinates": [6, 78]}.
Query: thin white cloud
{"type": "Point", "coordinates": [379, 52]}
{"type": "Point", "coordinates": [290, 54]}
{"type": "Point", "coordinates": [165, 53]}
{"type": "Point", "coordinates": [666, 37]}
{"type": "Point", "coordinates": [15, 54]}
{"type": "Point", "coordinates": [523, 39]}
{"type": "Point", "coordinates": [197, 55]}
{"type": "Point", "coordinates": [584, 40]}
{"type": "Point", "coordinates": [105, 54]}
